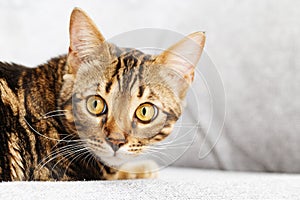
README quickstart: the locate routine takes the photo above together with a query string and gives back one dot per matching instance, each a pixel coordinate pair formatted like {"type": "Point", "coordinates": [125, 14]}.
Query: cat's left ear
{"type": "Point", "coordinates": [179, 61]}
{"type": "Point", "coordinates": [86, 41]}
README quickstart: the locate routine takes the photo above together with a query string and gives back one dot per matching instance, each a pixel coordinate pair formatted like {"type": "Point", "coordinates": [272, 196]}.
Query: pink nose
{"type": "Point", "coordinates": [115, 143]}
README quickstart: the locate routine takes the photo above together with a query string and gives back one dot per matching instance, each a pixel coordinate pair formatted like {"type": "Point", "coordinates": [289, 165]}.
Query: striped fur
{"type": "Point", "coordinates": [46, 131]}
{"type": "Point", "coordinates": [34, 92]}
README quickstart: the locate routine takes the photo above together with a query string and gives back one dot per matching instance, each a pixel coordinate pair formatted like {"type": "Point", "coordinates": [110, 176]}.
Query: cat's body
{"type": "Point", "coordinates": [20, 147]}
{"type": "Point", "coordinates": [27, 94]}
{"type": "Point", "coordinates": [79, 115]}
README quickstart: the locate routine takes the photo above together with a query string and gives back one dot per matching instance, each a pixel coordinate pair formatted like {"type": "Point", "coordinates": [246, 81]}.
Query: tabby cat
{"type": "Point", "coordinates": [83, 115]}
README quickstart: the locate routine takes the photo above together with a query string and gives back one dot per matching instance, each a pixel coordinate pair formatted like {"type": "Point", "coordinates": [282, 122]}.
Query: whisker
{"type": "Point", "coordinates": [54, 152]}
{"type": "Point", "coordinates": [167, 155]}
{"type": "Point", "coordinates": [90, 159]}
{"type": "Point", "coordinates": [64, 153]}
{"type": "Point", "coordinates": [159, 154]}
{"type": "Point", "coordinates": [81, 153]}
{"type": "Point", "coordinates": [169, 147]}
{"type": "Point", "coordinates": [56, 115]}
{"type": "Point", "coordinates": [176, 138]}
{"type": "Point", "coordinates": [54, 111]}
{"type": "Point", "coordinates": [166, 142]}
{"type": "Point", "coordinates": [49, 138]}
{"type": "Point", "coordinates": [64, 138]}
{"type": "Point", "coordinates": [72, 151]}
{"type": "Point", "coordinates": [59, 152]}
{"type": "Point", "coordinates": [172, 144]}
{"type": "Point", "coordinates": [187, 125]}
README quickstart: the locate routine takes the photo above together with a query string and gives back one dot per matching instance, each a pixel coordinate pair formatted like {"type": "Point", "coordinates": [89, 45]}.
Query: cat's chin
{"type": "Point", "coordinates": [114, 161]}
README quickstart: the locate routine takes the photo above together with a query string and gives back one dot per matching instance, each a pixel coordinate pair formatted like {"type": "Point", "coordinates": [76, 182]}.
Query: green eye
{"type": "Point", "coordinates": [146, 112]}
{"type": "Point", "coordinates": [96, 105]}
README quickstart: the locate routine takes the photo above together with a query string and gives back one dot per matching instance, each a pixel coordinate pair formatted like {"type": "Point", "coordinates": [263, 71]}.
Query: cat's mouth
{"type": "Point", "coordinates": [109, 156]}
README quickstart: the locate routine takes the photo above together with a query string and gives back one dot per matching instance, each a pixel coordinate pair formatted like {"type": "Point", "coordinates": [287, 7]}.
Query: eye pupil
{"type": "Point", "coordinates": [95, 104]}
{"type": "Point", "coordinates": [144, 111]}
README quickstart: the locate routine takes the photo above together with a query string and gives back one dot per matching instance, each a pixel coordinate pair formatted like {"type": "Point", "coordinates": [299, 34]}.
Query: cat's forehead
{"type": "Point", "coordinates": [128, 57]}
{"type": "Point", "coordinates": [129, 68]}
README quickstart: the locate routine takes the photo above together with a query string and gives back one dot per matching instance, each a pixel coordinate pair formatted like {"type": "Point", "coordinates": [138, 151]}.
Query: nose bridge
{"type": "Point", "coordinates": [121, 110]}
{"type": "Point", "coordinates": [115, 137]}
{"type": "Point", "coordinates": [118, 120]}
{"type": "Point", "coordinates": [114, 130]}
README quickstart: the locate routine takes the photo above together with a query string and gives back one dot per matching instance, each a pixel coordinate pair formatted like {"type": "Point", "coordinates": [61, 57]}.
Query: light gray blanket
{"type": "Point", "coordinates": [173, 183]}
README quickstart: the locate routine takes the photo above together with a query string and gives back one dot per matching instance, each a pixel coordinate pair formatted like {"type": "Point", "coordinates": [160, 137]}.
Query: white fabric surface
{"type": "Point", "coordinates": [173, 183]}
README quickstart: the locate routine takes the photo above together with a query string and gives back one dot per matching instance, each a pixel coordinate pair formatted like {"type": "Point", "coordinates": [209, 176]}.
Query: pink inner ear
{"type": "Point", "coordinates": [85, 39]}
{"type": "Point", "coordinates": [180, 65]}
{"type": "Point", "coordinates": [183, 56]}
{"type": "Point", "coordinates": [84, 34]}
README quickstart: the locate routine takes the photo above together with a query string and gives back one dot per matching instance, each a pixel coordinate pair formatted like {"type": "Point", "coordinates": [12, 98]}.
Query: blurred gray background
{"type": "Point", "coordinates": [254, 44]}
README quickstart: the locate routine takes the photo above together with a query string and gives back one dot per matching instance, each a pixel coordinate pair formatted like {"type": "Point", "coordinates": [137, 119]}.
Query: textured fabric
{"type": "Point", "coordinates": [173, 183]}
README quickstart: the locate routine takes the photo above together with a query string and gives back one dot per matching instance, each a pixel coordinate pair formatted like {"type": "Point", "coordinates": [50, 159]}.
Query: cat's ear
{"type": "Point", "coordinates": [85, 39]}
{"type": "Point", "coordinates": [181, 58]}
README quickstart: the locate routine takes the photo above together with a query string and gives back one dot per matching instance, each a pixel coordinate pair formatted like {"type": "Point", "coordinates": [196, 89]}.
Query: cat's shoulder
{"type": "Point", "coordinates": [9, 75]}
{"type": "Point", "coordinates": [10, 69]}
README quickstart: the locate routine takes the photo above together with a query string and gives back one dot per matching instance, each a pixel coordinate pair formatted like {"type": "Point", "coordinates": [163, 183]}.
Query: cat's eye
{"type": "Point", "coordinates": [146, 112]}
{"type": "Point", "coordinates": [96, 105]}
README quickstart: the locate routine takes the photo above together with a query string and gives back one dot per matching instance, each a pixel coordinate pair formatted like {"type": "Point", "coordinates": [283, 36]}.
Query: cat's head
{"type": "Point", "coordinates": [123, 100]}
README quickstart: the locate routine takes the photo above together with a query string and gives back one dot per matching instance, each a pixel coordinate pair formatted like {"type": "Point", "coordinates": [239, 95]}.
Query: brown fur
{"type": "Point", "coordinates": [46, 131]}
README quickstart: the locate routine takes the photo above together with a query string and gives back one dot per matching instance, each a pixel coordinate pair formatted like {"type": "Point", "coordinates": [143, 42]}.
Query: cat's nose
{"type": "Point", "coordinates": [115, 143]}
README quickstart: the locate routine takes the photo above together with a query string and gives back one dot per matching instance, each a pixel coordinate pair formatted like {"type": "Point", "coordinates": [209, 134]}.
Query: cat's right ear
{"type": "Point", "coordinates": [85, 40]}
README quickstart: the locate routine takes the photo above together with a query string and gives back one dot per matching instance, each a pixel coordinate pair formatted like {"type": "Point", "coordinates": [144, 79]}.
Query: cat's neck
{"type": "Point", "coordinates": [51, 75]}
{"type": "Point", "coordinates": [41, 87]}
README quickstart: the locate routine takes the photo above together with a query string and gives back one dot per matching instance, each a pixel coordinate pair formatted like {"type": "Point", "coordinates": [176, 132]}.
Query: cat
{"type": "Point", "coordinates": [83, 115]}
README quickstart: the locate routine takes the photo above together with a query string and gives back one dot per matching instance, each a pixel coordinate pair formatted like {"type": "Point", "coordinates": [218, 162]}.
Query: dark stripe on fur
{"type": "Point", "coordinates": [140, 75]}
{"type": "Point", "coordinates": [108, 86]}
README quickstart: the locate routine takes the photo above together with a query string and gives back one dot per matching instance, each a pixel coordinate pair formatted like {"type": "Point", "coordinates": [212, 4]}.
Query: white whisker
{"type": "Point", "coordinates": [54, 111]}
{"type": "Point", "coordinates": [158, 155]}
{"type": "Point", "coordinates": [49, 116]}
{"type": "Point", "coordinates": [81, 153]}
{"type": "Point", "coordinates": [59, 152]}
{"type": "Point", "coordinates": [68, 154]}
{"type": "Point", "coordinates": [49, 138]}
